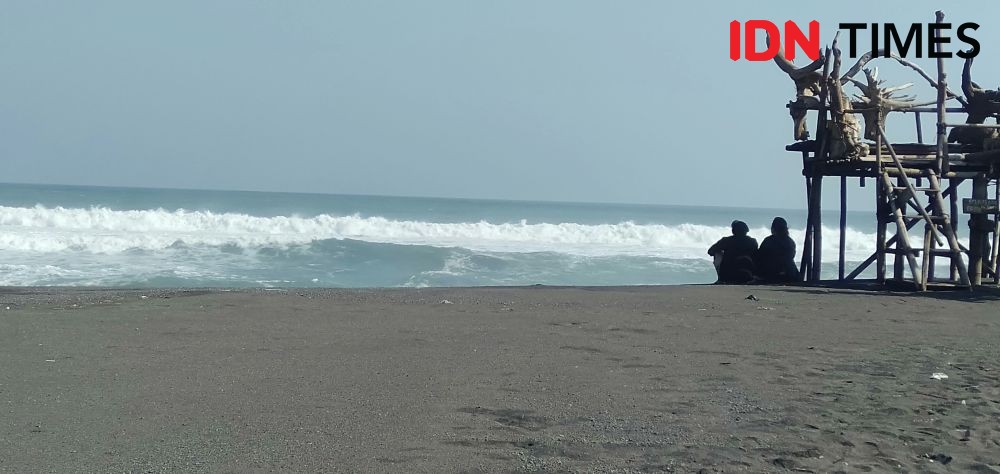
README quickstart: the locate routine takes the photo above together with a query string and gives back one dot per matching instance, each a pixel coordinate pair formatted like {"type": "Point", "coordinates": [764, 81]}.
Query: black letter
{"type": "Point", "coordinates": [892, 36]}
{"type": "Point", "coordinates": [853, 28]}
{"type": "Point", "coordinates": [875, 41]}
{"type": "Point", "coordinates": [933, 40]}
{"type": "Point", "coordinates": [972, 41]}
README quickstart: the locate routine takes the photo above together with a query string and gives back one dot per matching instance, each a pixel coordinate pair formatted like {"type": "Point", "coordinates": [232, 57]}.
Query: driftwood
{"type": "Point", "coordinates": [807, 88]}
{"type": "Point", "coordinates": [875, 101]}
{"type": "Point", "coordinates": [867, 57]}
{"type": "Point", "coordinates": [981, 104]}
{"type": "Point", "coordinates": [843, 129]}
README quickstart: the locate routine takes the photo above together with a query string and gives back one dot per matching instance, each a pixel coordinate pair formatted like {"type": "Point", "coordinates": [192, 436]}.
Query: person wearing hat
{"type": "Point", "coordinates": [735, 255]}
{"type": "Point", "coordinates": [776, 257]}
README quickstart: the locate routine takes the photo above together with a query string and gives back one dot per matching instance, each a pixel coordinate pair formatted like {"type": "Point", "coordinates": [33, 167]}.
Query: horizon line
{"type": "Point", "coordinates": [403, 196]}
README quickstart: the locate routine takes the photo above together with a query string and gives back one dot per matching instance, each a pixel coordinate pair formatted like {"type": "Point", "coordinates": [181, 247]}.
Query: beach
{"type": "Point", "coordinates": [637, 379]}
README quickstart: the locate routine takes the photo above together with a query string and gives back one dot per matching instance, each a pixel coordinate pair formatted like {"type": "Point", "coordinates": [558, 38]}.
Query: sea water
{"type": "Point", "coordinates": [135, 237]}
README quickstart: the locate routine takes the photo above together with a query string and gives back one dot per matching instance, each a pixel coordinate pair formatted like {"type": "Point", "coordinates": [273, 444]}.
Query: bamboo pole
{"type": "Point", "coordinates": [881, 206]}
{"type": "Point", "coordinates": [973, 125]}
{"type": "Point", "coordinates": [920, 128]}
{"type": "Point", "coordinates": [903, 243]}
{"type": "Point", "coordinates": [871, 258]}
{"type": "Point", "coordinates": [817, 227]}
{"type": "Point", "coordinates": [996, 240]}
{"type": "Point", "coordinates": [977, 235]}
{"type": "Point", "coordinates": [880, 243]}
{"type": "Point", "coordinates": [930, 260]}
{"type": "Point", "coordinates": [841, 260]}
{"type": "Point", "coordinates": [811, 253]}
{"type": "Point", "coordinates": [897, 259]}
{"type": "Point", "coordinates": [807, 241]}
{"type": "Point", "coordinates": [942, 97]}
{"type": "Point", "coordinates": [953, 217]}
{"type": "Point", "coordinates": [926, 257]}
{"type": "Point", "coordinates": [958, 263]}
{"type": "Point", "coordinates": [899, 168]}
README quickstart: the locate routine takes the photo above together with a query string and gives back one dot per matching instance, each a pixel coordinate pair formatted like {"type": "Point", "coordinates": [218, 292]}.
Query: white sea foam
{"type": "Point", "coordinates": [105, 231]}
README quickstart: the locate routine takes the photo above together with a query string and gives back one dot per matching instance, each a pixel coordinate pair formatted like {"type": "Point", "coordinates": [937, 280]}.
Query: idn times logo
{"type": "Point", "coordinates": [916, 40]}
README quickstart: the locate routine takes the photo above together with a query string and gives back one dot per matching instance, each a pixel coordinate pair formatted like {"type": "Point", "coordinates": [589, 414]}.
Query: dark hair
{"type": "Point", "coordinates": [779, 226]}
{"type": "Point", "coordinates": [740, 228]}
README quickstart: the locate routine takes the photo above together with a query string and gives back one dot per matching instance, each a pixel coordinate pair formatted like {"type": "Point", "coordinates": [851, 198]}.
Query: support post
{"type": "Point", "coordinates": [977, 235]}
{"type": "Point", "coordinates": [817, 257]}
{"type": "Point", "coordinates": [897, 258]}
{"type": "Point", "coordinates": [942, 97]}
{"type": "Point", "coordinates": [841, 258]}
{"type": "Point", "coordinates": [996, 240]}
{"type": "Point", "coordinates": [929, 241]}
{"type": "Point", "coordinates": [929, 258]}
{"type": "Point", "coordinates": [953, 220]}
{"type": "Point", "coordinates": [881, 212]}
{"type": "Point", "coordinates": [804, 269]}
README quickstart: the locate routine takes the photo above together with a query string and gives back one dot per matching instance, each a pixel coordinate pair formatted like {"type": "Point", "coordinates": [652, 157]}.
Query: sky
{"type": "Point", "coordinates": [566, 100]}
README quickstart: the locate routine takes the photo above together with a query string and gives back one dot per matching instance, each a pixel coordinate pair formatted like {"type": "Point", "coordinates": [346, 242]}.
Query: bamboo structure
{"type": "Point", "coordinates": [917, 185]}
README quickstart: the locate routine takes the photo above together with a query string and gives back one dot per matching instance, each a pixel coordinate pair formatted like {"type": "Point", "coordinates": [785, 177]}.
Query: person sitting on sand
{"type": "Point", "coordinates": [737, 251]}
{"type": "Point", "coordinates": [776, 257]}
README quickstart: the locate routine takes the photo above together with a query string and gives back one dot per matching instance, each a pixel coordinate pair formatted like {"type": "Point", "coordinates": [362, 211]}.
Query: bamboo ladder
{"type": "Point", "coordinates": [904, 194]}
{"type": "Point", "coordinates": [937, 223]}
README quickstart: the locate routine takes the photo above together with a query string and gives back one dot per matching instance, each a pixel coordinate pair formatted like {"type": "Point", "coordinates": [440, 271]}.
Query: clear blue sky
{"type": "Point", "coordinates": [558, 100]}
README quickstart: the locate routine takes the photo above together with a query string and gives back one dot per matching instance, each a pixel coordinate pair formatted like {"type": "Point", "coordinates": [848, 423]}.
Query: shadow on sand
{"type": "Point", "coordinates": [870, 288]}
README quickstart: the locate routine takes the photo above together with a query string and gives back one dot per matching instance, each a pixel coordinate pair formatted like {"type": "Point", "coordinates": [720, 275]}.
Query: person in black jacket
{"type": "Point", "coordinates": [776, 257]}
{"type": "Point", "coordinates": [737, 255]}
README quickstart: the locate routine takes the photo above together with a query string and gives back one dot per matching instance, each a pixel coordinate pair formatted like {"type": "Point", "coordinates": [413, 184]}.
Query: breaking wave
{"type": "Point", "coordinates": [99, 230]}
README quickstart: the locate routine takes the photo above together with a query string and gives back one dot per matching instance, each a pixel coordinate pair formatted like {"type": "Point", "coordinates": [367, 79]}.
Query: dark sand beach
{"type": "Point", "coordinates": [645, 379]}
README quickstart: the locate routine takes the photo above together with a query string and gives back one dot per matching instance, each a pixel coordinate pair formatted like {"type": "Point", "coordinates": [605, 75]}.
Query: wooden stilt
{"type": "Point", "coordinates": [841, 263]}
{"type": "Point", "coordinates": [897, 261]}
{"type": "Point", "coordinates": [817, 257]}
{"type": "Point", "coordinates": [996, 241]}
{"type": "Point", "coordinates": [977, 235]}
{"type": "Point", "coordinates": [953, 205]}
{"type": "Point", "coordinates": [807, 243]}
{"type": "Point", "coordinates": [926, 257]}
{"type": "Point", "coordinates": [880, 244]}
{"type": "Point", "coordinates": [942, 97]}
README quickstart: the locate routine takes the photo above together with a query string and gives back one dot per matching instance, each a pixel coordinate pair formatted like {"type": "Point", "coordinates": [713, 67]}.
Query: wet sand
{"type": "Point", "coordinates": [651, 379]}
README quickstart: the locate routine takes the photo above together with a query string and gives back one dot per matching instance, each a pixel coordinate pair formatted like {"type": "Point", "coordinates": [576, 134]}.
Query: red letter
{"type": "Point", "coordinates": [794, 35]}
{"type": "Point", "coordinates": [734, 40]}
{"type": "Point", "coordinates": [751, 44]}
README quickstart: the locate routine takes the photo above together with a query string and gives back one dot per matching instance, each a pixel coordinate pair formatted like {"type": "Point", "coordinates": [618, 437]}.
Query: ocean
{"type": "Point", "coordinates": [137, 237]}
